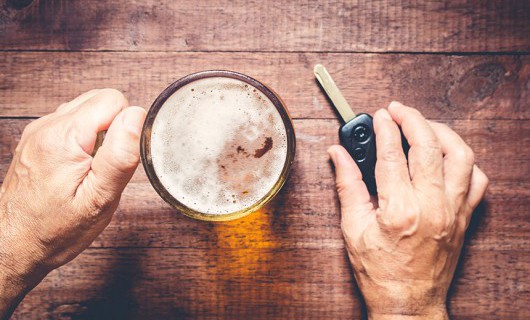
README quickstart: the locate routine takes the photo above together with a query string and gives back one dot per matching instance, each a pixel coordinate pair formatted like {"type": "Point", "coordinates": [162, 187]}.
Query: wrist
{"type": "Point", "coordinates": [13, 288]}
{"type": "Point", "coordinates": [21, 257]}
{"type": "Point", "coordinates": [20, 271]}
{"type": "Point", "coordinates": [14, 281]}
{"type": "Point", "coordinates": [434, 314]}
{"type": "Point", "coordinates": [411, 300]}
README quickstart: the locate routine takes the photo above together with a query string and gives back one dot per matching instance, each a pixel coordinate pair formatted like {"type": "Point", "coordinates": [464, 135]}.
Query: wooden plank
{"type": "Point", "coordinates": [443, 87]}
{"type": "Point", "coordinates": [257, 283]}
{"type": "Point", "coordinates": [287, 261]}
{"type": "Point", "coordinates": [238, 25]}
{"type": "Point", "coordinates": [191, 283]}
{"type": "Point", "coordinates": [496, 143]}
{"type": "Point", "coordinates": [306, 213]}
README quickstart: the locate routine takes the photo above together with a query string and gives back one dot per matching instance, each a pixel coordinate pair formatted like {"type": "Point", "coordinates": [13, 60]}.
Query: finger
{"type": "Point", "coordinates": [96, 114]}
{"type": "Point", "coordinates": [425, 153]}
{"type": "Point", "coordinates": [391, 171]}
{"type": "Point", "coordinates": [351, 188]}
{"type": "Point", "coordinates": [69, 106]}
{"type": "Point", "coordinates": [458, 162]}
{"type": "Point", "coordinates": [116, 160]}
{"type": "Point", "coordinates": [477, 189]}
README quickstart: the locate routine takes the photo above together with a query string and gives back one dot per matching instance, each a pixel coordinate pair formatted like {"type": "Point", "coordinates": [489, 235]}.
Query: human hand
{"type": "Point", "coordinates": [56, 198]}
{"type": "Point", "coordinates": [404, 245]}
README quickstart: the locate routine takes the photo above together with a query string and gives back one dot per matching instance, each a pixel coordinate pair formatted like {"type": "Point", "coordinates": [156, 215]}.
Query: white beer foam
{"type": "Point", "coordinates": [195, 130]}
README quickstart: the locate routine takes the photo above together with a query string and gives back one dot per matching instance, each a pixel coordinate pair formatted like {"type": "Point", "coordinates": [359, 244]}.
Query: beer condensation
{"type": "Point", "coordinates": [218, 145]}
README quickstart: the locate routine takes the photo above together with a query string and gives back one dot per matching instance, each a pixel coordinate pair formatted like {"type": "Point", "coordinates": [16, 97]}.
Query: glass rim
{"type": "Point", "coordinates": [145, 141]}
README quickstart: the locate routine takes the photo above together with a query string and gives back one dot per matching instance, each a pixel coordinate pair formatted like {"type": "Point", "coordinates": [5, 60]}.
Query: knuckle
{"type": "Point", "coordinates": [469, 156]}
{"type": "Point", "coordinates": [392, 155]}
{"type": "Point", "coordinates": [45, 140]}
{"type": "Point", "coordinates": [399, 220]}
{"type": "Point", "coordinates": [40, 133]}
{"type": "Point", "coordinates": [99, 201]}
{"type": "Point", "coordinates": [442, 222]}
{"type": "Point", "coordinates": [465, 155]}
{"type": "Point", "coordinates": [123, 160]}
{"type": "Point", "coordinates": [343, 187]}
{"type": "Point", "coordinates": [130, 160]}
{"type": "Point", "coordinates": [341, 190]}
{"type": "Point", "coordinates": [99, 204]}
{"type": "Point", "coordinates": [444, 226]}
{"type": "Point", "coordinates": [408, 219]}
{"type": "Point", "coordinates": [431, 147]}
{"type": "Point", "coordinates": [30, 128]}
{"type": "Point", "coordinates": [402, 217]}
{"type": "Point", "coordinates": [61, 107]}
{"type": "Point", "coordinates": [128, 157]}
{"type": "Point", "coordinates": [432, 144]}
{"type": "Point", "coordinates": [18, 149]}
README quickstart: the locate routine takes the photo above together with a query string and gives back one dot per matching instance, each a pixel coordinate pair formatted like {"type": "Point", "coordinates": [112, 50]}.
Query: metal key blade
{"type": "Point", "coordinates": [333, 93]}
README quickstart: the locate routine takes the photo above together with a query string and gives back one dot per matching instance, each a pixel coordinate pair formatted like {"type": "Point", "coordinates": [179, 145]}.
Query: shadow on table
{"type": "Point", "coordinates": [477, 219]}
{"type": "Point", "coordinates": [115, 299]}
{"type": "Point", "coordinates": [363, 314]}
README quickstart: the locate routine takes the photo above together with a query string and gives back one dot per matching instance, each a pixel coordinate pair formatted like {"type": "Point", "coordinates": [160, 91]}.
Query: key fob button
{"type": "Point", "coordinates": [359, 154]}
{"type": "Point", "coordinates": [361, 133]}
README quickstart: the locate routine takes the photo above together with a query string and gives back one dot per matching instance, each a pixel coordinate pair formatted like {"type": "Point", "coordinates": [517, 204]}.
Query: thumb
{"type": "Point", "coordinates": [353, 194]}
{"type": "Point", "coordinates": [117, 158]}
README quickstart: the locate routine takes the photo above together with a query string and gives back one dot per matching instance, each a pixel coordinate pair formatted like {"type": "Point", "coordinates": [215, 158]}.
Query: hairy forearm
{"type": "Point", "coordinates": [12, 291]}
{"type": "Point", "coordinates": [15, 282]}
{"type": "Point", "coordinates": [18, 271]}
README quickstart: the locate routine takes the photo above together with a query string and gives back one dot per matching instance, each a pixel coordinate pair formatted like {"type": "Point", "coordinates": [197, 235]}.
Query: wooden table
{"type": "Point", "coordinates": [465, 63]}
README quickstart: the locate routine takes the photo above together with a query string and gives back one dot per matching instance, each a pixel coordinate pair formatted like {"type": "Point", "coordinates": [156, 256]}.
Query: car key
{"type": "Point", "coordinates": [356, 134]}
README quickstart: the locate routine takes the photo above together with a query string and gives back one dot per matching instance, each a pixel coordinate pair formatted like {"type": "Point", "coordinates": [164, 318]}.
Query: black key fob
{"type": "Point", "coordinates": [358, 138]}
{"type": "Point", "coordinates": [357, 133]}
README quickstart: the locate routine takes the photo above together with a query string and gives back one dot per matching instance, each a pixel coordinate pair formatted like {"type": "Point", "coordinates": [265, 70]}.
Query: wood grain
{"type": "Point", "coordinates": [442, 87]}
{"type": "Point", "coordinates": [306, 213]}
{"type": "Point", "coordinates": [192, 283]}
{"type": "Point", "coordinates": [286, 261]}
{"type": "Point", "coordinates": [257, 283]}
{"type": "Point", "coordinates": [228, 25]}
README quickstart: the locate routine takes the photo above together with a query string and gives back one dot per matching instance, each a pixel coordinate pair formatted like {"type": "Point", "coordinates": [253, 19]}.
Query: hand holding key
{"type": "Point", "coordinates": [357, 133]}
{"type": "Point", "coordinates": [404, 248]}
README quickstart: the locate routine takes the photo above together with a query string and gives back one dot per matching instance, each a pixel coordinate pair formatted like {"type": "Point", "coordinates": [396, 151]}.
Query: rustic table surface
{"type": "Point", "coordinates": [465, 63]}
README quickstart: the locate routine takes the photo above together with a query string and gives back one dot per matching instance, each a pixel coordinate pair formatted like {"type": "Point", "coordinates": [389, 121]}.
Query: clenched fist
{"type": "Point", "coordinates": [404, 245]}
{"type": "Point", "coordinates": [56, 197]}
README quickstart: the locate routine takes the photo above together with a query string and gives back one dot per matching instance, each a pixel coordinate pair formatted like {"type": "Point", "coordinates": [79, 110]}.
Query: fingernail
{"type": "Point", "coordinates": [394, 104]}
{"type": "Point", "coordinates": [133, 119]}
{"type": "Point", "coordinates": [384, 114]}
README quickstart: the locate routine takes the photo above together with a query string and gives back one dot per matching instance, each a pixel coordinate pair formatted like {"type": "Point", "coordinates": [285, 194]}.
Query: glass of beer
{"type": "Point", "coordinates": [217, 145]}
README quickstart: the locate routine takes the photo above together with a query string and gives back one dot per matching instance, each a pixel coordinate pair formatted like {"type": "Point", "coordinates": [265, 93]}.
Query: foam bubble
{"type": "Point", "coordinates": [218, 145]}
